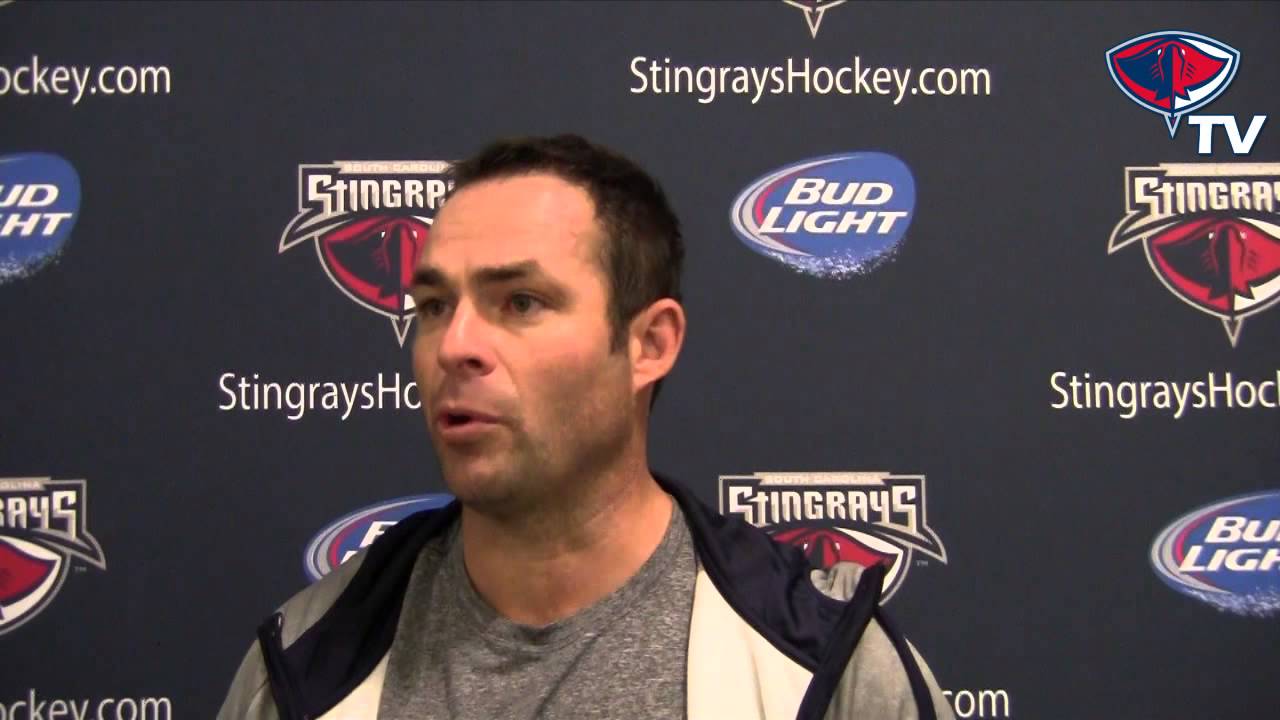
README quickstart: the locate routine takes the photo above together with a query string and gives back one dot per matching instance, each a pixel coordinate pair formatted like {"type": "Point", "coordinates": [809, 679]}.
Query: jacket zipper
{"type": "Point", "coordinates": [288, 704]}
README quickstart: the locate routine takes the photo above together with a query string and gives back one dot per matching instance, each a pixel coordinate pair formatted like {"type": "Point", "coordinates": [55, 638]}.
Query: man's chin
{"type": "Point", "coordinates": [476, 485]}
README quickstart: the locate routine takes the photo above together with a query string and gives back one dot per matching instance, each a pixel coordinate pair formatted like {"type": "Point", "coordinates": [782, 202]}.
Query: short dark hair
{"type": "Point", "coordinates": [641, 253]}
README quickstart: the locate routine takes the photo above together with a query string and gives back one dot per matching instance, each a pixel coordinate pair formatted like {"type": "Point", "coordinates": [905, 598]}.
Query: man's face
{"type": "Point", "coordinates": [522, 395]}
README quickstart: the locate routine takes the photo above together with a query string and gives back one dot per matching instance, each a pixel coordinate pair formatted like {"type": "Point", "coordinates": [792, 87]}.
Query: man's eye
{"type": "Point", "coordinates": [432, 307]}
{"type": "Point", "coordinates": [524, 303]}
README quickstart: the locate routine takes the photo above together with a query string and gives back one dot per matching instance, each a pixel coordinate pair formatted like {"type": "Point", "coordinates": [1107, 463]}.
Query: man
{"type": "Point", "coordinates": [567, 580]}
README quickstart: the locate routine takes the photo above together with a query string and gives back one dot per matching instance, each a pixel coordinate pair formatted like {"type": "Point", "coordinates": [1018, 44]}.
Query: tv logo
{"type": "Point", "coordinates": [1174, 73]}
{"type": "Point", "coordinates": [1239, 145]}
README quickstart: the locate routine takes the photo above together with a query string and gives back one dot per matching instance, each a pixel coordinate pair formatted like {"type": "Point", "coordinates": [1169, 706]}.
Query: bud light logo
{"type": "Point", "coordinates": [1226, 554]}
{"type": "Point", "coordinates": [346, 536]}
{"type": "Point", "coordinates": [833, 217]}
{"type": "Point", "coordinates": [39, 204]}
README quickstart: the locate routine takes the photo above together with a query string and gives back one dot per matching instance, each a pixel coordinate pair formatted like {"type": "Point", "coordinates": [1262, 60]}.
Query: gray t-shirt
{"type": "Point", "coordinates": [455, 658]}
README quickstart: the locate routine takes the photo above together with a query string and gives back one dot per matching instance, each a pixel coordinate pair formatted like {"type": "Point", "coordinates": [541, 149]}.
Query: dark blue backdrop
{"type": "Point", "coordinates": [937, 363]}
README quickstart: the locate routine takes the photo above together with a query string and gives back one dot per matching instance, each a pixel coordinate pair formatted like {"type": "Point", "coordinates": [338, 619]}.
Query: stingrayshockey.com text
{"type": "Point", "coordinates": [1128, 398]}
{"type": "Point", "coordinates": [295, 399]}
{"type": "Point", "coordinates": [802, 77]}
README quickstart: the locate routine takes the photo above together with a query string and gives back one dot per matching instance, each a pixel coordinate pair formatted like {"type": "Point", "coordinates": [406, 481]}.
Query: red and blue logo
{"type": "Point", "coordinates": [1226, 554]}
{"type": "Point", "coordinates": [1172, 72]}
{"type": "Point", "coordinates": [1211, 234]}
{"type": "Point", "coordinates": [368, 221]}
{"type": "Point", "coordinates": [867, 518]}
{"type": "Point", "coordinates": [349, 534]}
{"type": "Point", "coordinates": [43, 529]}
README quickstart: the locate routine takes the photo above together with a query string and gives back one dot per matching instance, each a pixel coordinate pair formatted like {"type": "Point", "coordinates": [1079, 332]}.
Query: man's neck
{"type": "Point", "coordinates": [538, 573]}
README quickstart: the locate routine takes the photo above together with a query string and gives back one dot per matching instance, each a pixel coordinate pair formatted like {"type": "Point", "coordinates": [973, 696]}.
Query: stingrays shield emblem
{"type": "Point", "coordinates": [867, 518]}
{"type": "Point", "coordinates": [1211, 234]}
{"type": "Point", "coordinates": [369, 222]}
{"type": "Point", "coordinates": [1172, 72]}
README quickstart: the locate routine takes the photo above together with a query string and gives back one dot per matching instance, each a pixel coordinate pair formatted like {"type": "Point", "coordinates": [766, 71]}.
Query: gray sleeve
{"type": "Point", "coordinates": [249, 696]}
{"type": "Point", "coordinates": [875, 685]}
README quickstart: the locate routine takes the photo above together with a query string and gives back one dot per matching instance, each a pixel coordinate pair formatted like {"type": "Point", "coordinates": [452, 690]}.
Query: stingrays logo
{"type": "Point", "coordinates": [1172, 72]}
{"type": "Point", "coordinates": [42, 527]}
{"type": "Point", "coordinates": [813, 11]}
{"type": "Point", "coordinates": [863, 517]}
{"type": "Point", "coordinates": [369, 221]}
{"type": "Point", "coordinates": [1211, 233]}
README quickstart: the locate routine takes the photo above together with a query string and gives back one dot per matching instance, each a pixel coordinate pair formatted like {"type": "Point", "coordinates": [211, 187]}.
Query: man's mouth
{"type": "Point", "coordinates": [456, 421]}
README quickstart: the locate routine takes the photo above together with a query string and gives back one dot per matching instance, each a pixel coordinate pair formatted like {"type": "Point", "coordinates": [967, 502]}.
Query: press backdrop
{"type": "Point", "coordinates": [185, 322]}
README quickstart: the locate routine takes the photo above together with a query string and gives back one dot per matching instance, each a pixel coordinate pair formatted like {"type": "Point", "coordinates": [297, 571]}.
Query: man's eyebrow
{"type": "Point", "coordinates": [431, 277]}
{"type": "Point", "coordinates": [506, 273]}
{"type": "Point", "coordinates": [428, 277]}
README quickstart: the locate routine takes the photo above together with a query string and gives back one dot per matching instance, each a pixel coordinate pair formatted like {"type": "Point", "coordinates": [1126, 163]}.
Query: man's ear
{"type": "Point", "coordinates": [654, 341]}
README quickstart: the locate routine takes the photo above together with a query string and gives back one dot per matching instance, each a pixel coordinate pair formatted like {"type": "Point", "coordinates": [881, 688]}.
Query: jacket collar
{"type": "Point", "coordinates": [765, 582]}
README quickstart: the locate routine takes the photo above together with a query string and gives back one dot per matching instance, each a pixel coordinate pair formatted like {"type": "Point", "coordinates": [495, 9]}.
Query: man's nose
{"type": "Point", "coordinates": [464, 347]}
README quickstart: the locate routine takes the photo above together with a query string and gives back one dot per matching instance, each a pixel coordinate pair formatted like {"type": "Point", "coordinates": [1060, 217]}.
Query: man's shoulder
{"type": "Point", "coordinates": [249, 695]}
{"type": "Point", "coordinates": [876, 682]}
{"type": "Point", "coordinates": [310, 604]}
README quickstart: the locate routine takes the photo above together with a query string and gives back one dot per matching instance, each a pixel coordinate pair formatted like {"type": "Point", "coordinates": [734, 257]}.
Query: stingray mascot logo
{"type": "Point", "coordinates": [862, 517]}
{"type": "Point", "coordinates": [813, 11]}
{"type": "Point", "coordinates": [1211, 233]}
{"type": "Point", "coordinates": [42, 528]}
{"type": "Point", "coordinates": [369, 221]}
{"type": "Point", "coordinates": [351, 533]}
{"type": "Point", "coordinates": [1172, 73]}
{"type": "Point", "coordinates": [1226, 554]}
